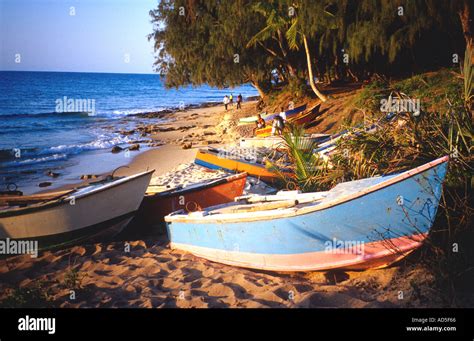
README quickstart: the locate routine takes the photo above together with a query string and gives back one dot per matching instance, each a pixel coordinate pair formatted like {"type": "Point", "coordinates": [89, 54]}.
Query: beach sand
{"type": "Point", "coordinates": [153, 275]}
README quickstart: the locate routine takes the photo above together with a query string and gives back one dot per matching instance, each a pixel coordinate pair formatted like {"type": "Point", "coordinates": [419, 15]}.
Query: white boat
{"type": "Point", "coordinates": [99, 210]}
{"type": "Point", "coordinates": [273, 142]}
{"type": "Point", "coordinates": [268, 116]}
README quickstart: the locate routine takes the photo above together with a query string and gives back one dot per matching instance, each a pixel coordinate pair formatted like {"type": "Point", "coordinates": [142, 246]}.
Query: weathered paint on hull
{"type": "Point", "coordinates": [375, 219]}
{"type": "Point", "coordinates": [90, 234]}
{"type": "Point", "coordinates": [376, 255]}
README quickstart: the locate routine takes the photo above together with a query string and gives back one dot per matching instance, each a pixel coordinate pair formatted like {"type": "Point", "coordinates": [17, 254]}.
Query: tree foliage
{"type": "Point", "coordinates": [226, 43]}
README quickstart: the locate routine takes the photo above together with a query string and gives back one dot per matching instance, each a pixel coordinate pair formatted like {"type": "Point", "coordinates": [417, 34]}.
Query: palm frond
{"type": "Point", "coordinates": [262, 35]}
{"type": "Point", "coordinates": [304, 167]}
{"type": "Point", "coordinates": [292, 35]}
{"type": "Point", "coordinates": [468, 71]}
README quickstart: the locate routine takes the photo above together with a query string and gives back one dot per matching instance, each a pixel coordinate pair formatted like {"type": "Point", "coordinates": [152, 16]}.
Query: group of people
{"type": "Point", "coordinates": [278, 122]}
{"type": "Point", "coordinates": [229, 100]}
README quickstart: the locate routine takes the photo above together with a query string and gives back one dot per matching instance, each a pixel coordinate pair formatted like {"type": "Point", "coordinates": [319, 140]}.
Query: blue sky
{"type": "Point", "coordinates": [100, 37]}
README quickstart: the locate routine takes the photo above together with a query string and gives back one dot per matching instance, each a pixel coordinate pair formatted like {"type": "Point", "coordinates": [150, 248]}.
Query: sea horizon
{"type": "Point", "coordinates": [99, 72]}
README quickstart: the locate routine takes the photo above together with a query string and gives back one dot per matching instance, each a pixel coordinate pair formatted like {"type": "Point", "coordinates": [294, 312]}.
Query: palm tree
{"type": "Point", "coordinates": [277, 21]}
{"type": "Point", "coordinates": [276, 24]}
{"type": "Point", "coordinates": [294, 34]}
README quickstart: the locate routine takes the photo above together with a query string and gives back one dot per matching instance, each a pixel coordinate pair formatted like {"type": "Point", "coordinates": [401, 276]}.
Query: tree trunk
{"type": "Point", "coordinates": [310, 72]}
{"type": "Point", "coordinates": [291, 70]}
{"type": "Point", "coordinates": [259, 89]}
{"type": "Point", "coordinates": [284, 51]}
{"type": "Point", "coordinates": [354, 77]}
{"type": "Point", "coordinates": [466, 22]}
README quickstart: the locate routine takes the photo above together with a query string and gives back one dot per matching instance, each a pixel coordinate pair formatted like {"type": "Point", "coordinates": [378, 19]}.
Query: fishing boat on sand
{"type": "Point", "coordinates": [214, 158]}
{"type": "Point", "coordinates": [275, 142]}
{"type": "Point", "coordinates": [302, 119]}
{"type": "Point", "coordinates": [57, 219]}
{"type": "Point", "coordinates": [268, 117]}
{"type": "Point", "coordinates": [360, 224]}
{"type": "Point", "coordinates": [159, 202]}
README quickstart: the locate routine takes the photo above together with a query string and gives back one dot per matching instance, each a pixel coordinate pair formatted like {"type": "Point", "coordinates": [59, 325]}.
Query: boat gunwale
{"type": "Point", "coordinates": [291, 212]}
{"type": "Point", "coordinates": [294, 111]}
{"type": "Point", "coordinates": [66, 200]}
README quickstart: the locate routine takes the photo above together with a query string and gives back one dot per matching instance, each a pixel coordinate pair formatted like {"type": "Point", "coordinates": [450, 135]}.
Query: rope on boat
{"type": "Point", "coordinates": [111, 176]}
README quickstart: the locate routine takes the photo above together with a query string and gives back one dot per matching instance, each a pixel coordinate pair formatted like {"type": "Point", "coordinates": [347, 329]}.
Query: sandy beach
{"type": "Point", "coordinates": [153, 276]}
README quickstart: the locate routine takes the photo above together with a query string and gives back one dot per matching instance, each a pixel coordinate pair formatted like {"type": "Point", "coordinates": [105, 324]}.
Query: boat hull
{"type": "Point", "coordinates": [276, 142]}
{"type": "Point", "coordinates": [212, 160]}
{"type": "Point", "coordinates": [272, 142]}
{"type": "Point", "coordinates": [156, 206]}
{"type": "Point", "coordinates": [377, 256]}
{"type": "Point", "coordinates": [96, 215]}
{"type": "Point", "coordinates": [268, 117]}
{"type": "Point", "coordinates": [369, 229]}
{"type": "Point", "coordinates": [302, 119]}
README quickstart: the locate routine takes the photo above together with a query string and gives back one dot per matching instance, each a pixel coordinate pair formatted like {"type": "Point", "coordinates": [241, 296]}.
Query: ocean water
{"type": "Point", "coordinates": [57, 120]}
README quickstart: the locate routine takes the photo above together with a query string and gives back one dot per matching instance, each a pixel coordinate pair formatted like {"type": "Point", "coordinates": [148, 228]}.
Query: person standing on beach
{"type": "Point", "coordinates": [239, 101]}
{"type": "Point", "coordinates": [278, 125]}
{"type": "Point", "coordinates": [226, 101]}
{"type": "Point", "coordinates": [231, 98]}
{"type": "Point", "coordinates": [282, 114]}
{"type": "Point", "coordinates": [279, 122]}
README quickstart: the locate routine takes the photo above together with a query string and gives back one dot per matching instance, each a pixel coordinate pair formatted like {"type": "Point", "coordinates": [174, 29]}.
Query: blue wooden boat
{"type": "Point", "coordinates": [361, 224]}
